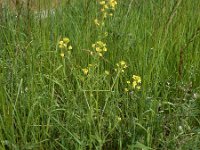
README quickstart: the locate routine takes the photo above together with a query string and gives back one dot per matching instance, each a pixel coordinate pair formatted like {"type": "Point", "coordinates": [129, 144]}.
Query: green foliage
{"type": "Point", "coordinates": [53, 96]}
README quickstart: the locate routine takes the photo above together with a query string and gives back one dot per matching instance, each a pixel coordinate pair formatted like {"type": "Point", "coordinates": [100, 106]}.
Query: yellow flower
{"type": "Point", "coordinates": [105, 49]}
{"type": "Point", "coordinates": [119, 119]}
{"type": "Point", "coordinates": [98, 49]}
{"type": "Point", "coordinates": [85, 71]}
{"type": "Point", "coordinates": [62, 54]}
{"type": "Point", "coordinates": [61, 42]}
{"type": "Point", "coordinates": [96, 22]}
{"type": "Point", "coordinates": [66, 40]}
{"type": "Point", "coordinates": [70, 47]}
{"type": "Point", "coordinates": [64, 45]}
{"type": "Point", "coordinates": [107, 72]}
{"type": "Point", "coordinates": [100, 54]}
{"type": "Point", "coordinates": [134, 84]}
{"type": "Point", "coordinates": [137, 78]}
{"type": "Point", "coordinates": [122, 62]}
{"type": "Point", "coordinates": [100, 43]}
{"type": "Point", "coordinates": [126, 89]}
{"type": "Point", "coordinates": [102, 9]}
{"type": "Point", "coordinates": [138, 87]}
{"type": "Point", "coordinates": [112, 3]}
{"type": "Point", "coordinates": [105, 6]}
{"type": "Point", "coordinates": [128, 82]}
{"type": "Point", "coordinates": [121, 66]}
{"type": "Point", "coordinates": [104, 14]}
{"type": "Point", "coordinates": [102, 3]}
{"type": "Point", "coordinates": [61, 46]}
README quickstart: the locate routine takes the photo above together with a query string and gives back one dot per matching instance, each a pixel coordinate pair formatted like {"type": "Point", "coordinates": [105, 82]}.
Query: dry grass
{"type": "Point", "coordinates": [34, 5]}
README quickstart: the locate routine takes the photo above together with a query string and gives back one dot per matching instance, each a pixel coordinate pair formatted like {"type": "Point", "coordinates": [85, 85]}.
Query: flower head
{"type": "Point", "coordinates": [112, 4]}
{"type": "Point", "coordinates": [66, 40]}
{"type": "Point", "coordinates": [85, 71]}
{"type": "Point", "coordinates": [134, 83]}
{"type": "Point", "coordinates": [137, 78]}
{"type": "Point", "coordinates": [100, 48]}
{"type": "Point", "coordinates": [126, 90]}
{"type": "Point", "coordinates": [70, 47]}
{"type": "Point", "coordinates": [62, 54]}
{"type": "Point", "coordinates": [119, 119]}
{"type": "Point", "coordinates": [96, 22]}
{"type": "Point", "coordinates": [107, 72]}
{"type": "Point", "coordinates": [121, 66]}
{"type": "Point", "coordinates": [63, 45]}
{"type": "Point", "coordinates": [106, 9]}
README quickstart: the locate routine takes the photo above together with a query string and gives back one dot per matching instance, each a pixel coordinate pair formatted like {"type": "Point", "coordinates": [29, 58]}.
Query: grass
{"type": "Point", "coordinates": [47, 102]}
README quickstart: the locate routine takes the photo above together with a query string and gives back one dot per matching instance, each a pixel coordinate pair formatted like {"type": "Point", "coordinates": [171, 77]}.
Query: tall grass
{"type": "Point", "coordinates": [47, 102]}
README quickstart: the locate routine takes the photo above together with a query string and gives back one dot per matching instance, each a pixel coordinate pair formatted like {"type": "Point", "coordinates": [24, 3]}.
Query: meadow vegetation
{"type": "Point", "coordinates": [101, 74]}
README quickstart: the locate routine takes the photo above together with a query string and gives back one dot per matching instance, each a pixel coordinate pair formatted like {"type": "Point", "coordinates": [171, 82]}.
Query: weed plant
{"type": "Point", "coordinates": [101, 75]}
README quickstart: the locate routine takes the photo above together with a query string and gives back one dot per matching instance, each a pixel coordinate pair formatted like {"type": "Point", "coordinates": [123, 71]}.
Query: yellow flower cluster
{"type": "Point", "coordinates": [112, 4]}
{"type": "Point", "coordinates": [134, 84]}
{"type": "Point", "coordinates": [64, 45]}
{"type": "Point", "coordinates": [87, 69]}
{"type": "Point", "coordinates": [100, 48]}
{"type": "Point", "coordinates": [107, 6]}
{"type": "Point", "coordinates": [121, 66]}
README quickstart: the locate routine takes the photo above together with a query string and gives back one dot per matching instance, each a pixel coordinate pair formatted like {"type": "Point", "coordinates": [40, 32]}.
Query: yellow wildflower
{"type": "Point", "coordinates": [107, 72]}
{"type": "Point", "coordinates": [96, 22]}
{"type": "Point", "coordinates": [104, 14]}
{"type": "Point", "coordinates": [102, 9]}
{"type": "Point", "coordinates": [121, 66]}
{"type": "Point", "coordinates": [99, 47]}
{"type": "Point", "coordinates": [105, 49]}
{"type": "Point", "coordinates": [137, 78]}
{"type": "Point", "coordinates": [64, 45]}
{"type": "Point", "coordinates": [112, 3]}
{"type": "Point", "coordinates": [66, 40]}
{"type": "Point", "coordinates": [134, 84]}
{"type": "Point", "coordinates": [61, 42]}
{"type": "Point", "coordinates": [138, 87]}
{"type": "Point", "coordinates": [128, 82]}
{"type": "Point", "coordinates": [122, 62]}
{"type": "Point", "coordinates": [102, 3]}
{"type": "Point", "coordinates": [61, 46]}
{"type": "Point", "coordinates": [126, 89]}
{"type": "Point", "coordinates": [85, 71]}
{"type": "Point", "coordinates": [119, 119]}
{"type": "Point", "coordinates": [105, 6]}
{"type": "Point", "coordinates": [70, 47]}
{"type": "Point", "coordinates": [100, 54]}
{"type": "Point", "coordinates": [62, 54]}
